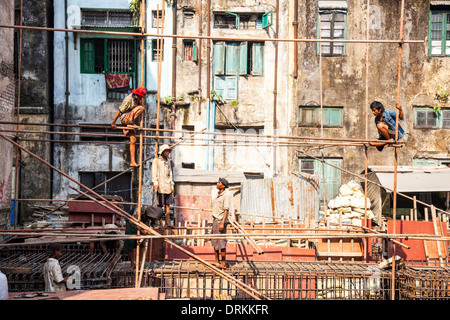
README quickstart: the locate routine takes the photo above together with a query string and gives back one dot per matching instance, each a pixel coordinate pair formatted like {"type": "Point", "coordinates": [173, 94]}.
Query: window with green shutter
{"type": "Point", "coordinates": [87, 55]}
{"type": "Point", "coordinates": [107, 55]}
{"type": "Point", "coordinates": [332, 22]}
{"type": "Point", "coordinates": [309, 116]}
{"type": "Point", "coordinates": [92, 55]}
{"type": "Point", "coordinates": [189, 50]}
{"type": "Point", "coordinates": [238, 58]}
{"type": "Point", "coordinates": [226, 86]}
{"type": "Point", "coordinates": [267, 19]}
{"type": "Point", "coordinates": [332, 173]}
{"type": "Point", "coordinates": [426, 118]}
{"type": "Point", "coordinates": [232, 58]}
{"type": "Point", "coordinates": [257, 59]}
{"type": "Point", "coordinates": [439, 33]}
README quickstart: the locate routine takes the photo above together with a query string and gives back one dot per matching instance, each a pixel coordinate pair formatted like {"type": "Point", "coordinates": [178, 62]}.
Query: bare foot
{"type": "Point", "coordinates": [134, 165]}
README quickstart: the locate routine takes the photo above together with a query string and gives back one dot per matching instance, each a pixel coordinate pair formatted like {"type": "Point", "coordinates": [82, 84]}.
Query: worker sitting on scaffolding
{"type": "Point", "coordinates": [221, 206]}
{"type": "Point", "coordinates": [385, 120]}
{"type": "Point", "coordinates": [130, 110]}
{"type": "Point", "coordinates": [163, 183]}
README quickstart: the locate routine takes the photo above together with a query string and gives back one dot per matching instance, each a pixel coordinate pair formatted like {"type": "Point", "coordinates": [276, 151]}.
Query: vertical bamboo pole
{"type": "Point", "coordinates": [366, 135]}
{"type": "Point", "coordinates": [394, 211]}
{"type": "Point", "coordinates": [19, 76]}
{"type": "Point", "coordinates": [141, 140]}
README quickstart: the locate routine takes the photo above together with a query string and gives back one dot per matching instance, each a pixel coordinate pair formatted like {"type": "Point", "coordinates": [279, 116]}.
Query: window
{"type": "Point", "coordinates": [188, 19]}
{"type": "Point", "coordinates": [238, 58]}
{"type": "Point", "coordinates": [333, 176]}
{"type": "Point", "coordinates": [107, 55]}
{"type": "Point", "coordinates": [244, 21]}
{"type": "Point", "coordinates": [189, 50]}
{"type": "Point", "coordinates": [112, 18]}
{"type": "Point", "coordinates": [426, 118]}
{"type": "Point", "coordinates": [431, 162]}
{"type": "Point", "coordinates": [156, 19]}
{"type": "Point", "coordinates": [267, 19]}
{"type": "Point", "coordinates": [156, 49]}
{"type": "Point", "coordinates": [101, 131]}
{"type": "Point", "coordinates": [332, 20]}
{"type": "Point", "coordinates": [226, 87]}
{"type": "Point", "coordinates": [309, 116]}
{"type": "Point", "coordinates": [439, 33]}
{"type": "Point", "coordinates": [119, 186]}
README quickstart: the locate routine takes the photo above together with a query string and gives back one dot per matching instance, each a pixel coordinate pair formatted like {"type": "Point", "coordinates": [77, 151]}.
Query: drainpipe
{"type": "Point", "coordinates": [208, 78]}
{"type": "Point", "coordinates": [67, 92]}
{"type": "Point", "coordinates": [212, 128]}
{"type": "Point", "coordinates": [199, 56]}
{"type": "Point", "coordinates": [275, 86]}
{"type": "Point", "coordinates": [174, 63]}
{"type": "Point", "coordinates": [207, 130]}
{"type": "Point", "coordinates": [295, 24]}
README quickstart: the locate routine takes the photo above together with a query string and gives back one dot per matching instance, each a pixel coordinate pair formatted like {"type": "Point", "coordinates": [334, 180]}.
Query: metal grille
{"type": "Point", "coordinates": [120, 56]}
{"type": "Point", "coordinates": [107, 18]}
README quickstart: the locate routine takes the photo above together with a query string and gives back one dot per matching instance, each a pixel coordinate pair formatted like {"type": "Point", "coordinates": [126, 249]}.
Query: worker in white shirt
{"type": "Point", "coordinates": [53, 277]}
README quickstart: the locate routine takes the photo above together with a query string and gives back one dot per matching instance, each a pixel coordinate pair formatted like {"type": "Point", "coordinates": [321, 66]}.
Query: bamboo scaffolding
{"type": "Point", "coordinates": [333, 141]}
{"type": "Point", "coordinates": [251, 291]}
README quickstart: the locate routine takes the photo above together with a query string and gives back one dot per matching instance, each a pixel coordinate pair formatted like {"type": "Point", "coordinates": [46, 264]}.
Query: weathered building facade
{"type": "Point", "coordinates": [228, 85]}
{"type": "Point", "coordinates": [424, 68]}
{"type": "Point", "coordinates": [7, 100]}
{"type": "Point", "coordinates": [34, 47]}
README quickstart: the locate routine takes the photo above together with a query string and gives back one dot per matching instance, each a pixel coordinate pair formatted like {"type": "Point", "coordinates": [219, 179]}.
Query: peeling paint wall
{"type": "Point", "coordinates": [6, 108]}
{"type": "Point", "coordinates": [344, 81]}
{"type": "Point", "coordinates": [35, 102]}
{"type": "Point", "coordinates": [252, 111]}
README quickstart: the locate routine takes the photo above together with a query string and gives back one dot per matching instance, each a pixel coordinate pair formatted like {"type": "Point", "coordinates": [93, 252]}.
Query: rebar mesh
{"type": "Point", "coordinates": [180, 279]}
{"type": "Point", "coordinates": [424, 283]}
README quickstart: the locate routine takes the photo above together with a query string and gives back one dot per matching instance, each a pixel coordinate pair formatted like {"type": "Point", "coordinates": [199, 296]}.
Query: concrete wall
{"type": "Point", "coordinates": [344, 81]}
{"type": "Point", "coordinates": [6, 108]}
{"type": "Point", "coordinates": [253, 112]}
{"type": "Point", "coordinates": [36, 87]}
{"type": "Point", "coordinates": [88, 102]}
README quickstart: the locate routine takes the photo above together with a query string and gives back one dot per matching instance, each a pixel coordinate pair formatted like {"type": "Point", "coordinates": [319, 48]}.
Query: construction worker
{"type": "Point", "coordinates": [385, 120]}
{"type": "Point", "coordinates": [163, 183]}
{"type": "Point", "coordinates": [130, 110]}
{"type": "Point", "coordinates": [53, 277]}
{"type": "Point", "coordinates": [221, 205]}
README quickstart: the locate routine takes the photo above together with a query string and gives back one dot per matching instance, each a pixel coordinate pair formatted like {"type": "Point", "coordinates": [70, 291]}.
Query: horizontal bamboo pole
{"type": "Point", "coordinates": [292, 236]}
{"type": "Point", "coordinates": [231, 38]}
{"type": "Point", "coordinates": [268, 136]}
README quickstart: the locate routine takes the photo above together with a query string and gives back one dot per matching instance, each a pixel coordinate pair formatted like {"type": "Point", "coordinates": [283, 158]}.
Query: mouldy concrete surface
{"type": "Point", "coordinates": [6, 107]}
{"type": "Point", "coordinates": [344, 81]}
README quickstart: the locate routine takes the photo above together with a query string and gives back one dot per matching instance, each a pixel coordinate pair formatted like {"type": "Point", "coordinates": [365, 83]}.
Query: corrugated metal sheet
{"type": "Point", "coordinates": [295, 196]}
{"type": "Point", "coordinates": [411, 179]}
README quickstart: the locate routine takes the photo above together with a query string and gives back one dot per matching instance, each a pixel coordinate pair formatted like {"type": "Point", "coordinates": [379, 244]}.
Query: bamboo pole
{"type": "Point", "coordinates": [141, 142]}
{"type": "Point", "coordinates": [240, 134]}
{"type": "Point", "coordinates": [394, 211]}
{"type": "Point", "coordinates": [217, 38]}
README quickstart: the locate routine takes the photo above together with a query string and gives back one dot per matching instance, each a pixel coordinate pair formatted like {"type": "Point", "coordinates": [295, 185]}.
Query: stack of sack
{"type": "Point", "coordinates": [349, 205]}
